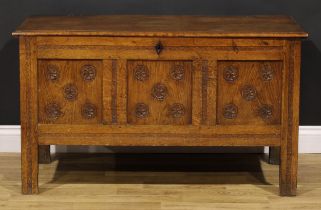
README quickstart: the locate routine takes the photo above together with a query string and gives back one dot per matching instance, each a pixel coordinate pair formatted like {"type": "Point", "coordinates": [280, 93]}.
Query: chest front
{"type": "Point", "coordinates": [160, 82]}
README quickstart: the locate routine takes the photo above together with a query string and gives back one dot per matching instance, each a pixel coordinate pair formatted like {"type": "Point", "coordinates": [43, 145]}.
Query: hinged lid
{"type": "Point", "coordinates": [163, 26]}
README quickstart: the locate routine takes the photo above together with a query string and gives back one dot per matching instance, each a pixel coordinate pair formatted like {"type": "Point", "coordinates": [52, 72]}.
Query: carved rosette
{"type": "Point", "coordinates": [266, 73]}
{"type": "Point", "coordinates": [177, 72]}
{"type": "Point", "coordinates": [266, 112]}
{"type": "Point", "coordinates": [141, 110]}
{"type": "Point", "coordinates": [53, 73]}
{"type": "Point", "coordinates": [231, 73]}
{"type": "Point", "coordinates": [177, 110]}
{"type": "Point", "coordinates": [230, 111]}
{"type": "Point", "coordinates": [70, 92]}
{"type": "Point", "coordinates": [159, 91]}
{"type": "Point", "coordinates": [248, 92]}
{"type": "Point", "coordinates": [53, 111]}
{"type": "Point", "coordinates": [88, 72]}
{"type": "Point", "coordinates": [141, 72]}
{"type": "Point", "coordinates": [88, 111]}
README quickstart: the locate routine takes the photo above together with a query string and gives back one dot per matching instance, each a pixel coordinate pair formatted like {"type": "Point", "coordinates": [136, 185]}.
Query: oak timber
{"type": "Point", "coordinates": [170, 26]}
{"type": "Point", "coordinates": [160, 81]}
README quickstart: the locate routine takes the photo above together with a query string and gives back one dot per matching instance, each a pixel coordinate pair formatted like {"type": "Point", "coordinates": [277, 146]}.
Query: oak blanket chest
{"type": "Point", "coordinates": [160, 81]}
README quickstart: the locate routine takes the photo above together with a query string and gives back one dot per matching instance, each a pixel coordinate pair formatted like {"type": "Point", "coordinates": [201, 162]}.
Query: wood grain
{"type": "Point", "coordinates": [169, 53]}
{"type": "Point", "coordinates": [107, 92]}
{"type": "Point", "coordinates": [157, 129]}
{"type": "Point", "coordinates": [94, 41]}
{"type": "Point", "coordinates": [28, 117]}
{"type": "Point", "coordinates": [173, 26]}
{"type": "Point", "coordinates": [290, 129]}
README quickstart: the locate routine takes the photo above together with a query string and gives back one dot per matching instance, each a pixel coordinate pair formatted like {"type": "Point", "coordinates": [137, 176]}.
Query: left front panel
{"type": "Point", "coordinates": [69, 91]}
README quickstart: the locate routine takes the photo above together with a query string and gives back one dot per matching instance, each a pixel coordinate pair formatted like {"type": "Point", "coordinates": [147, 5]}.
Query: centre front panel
{"type": "Point", "coordinates": [159, 92]}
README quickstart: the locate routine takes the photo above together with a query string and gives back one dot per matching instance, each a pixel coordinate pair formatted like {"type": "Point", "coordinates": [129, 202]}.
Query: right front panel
{"type": "Point", "coordinates": [249, 92]}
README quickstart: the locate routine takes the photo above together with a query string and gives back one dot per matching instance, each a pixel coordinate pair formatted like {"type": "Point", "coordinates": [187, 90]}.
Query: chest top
{"type": "Point", "coordinates": [163, 26]}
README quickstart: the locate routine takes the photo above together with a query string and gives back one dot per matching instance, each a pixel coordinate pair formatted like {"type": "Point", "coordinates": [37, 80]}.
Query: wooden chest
{"type": "Point", "coordinates": [160, 81]}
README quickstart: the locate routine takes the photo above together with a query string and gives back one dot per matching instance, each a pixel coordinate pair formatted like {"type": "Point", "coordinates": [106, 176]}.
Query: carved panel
{"type": "Point", "coordinates": [177, 72]}
{"type": "Point", "coordinates": [266, 72]}
{"type": "Point", "coordinates": [248, 92]}
{"type": "Point", "coordinates": [141, 72]}
{"type": "Point", "coordinates": [53, 72]}
{"type": "Point", "coordinates": [88, 72]}
{"type": "Point", "coordinates": [164, 98]}
{"type": "Point", "coordinates": [141, 110]}
{"type": "Point", "coordinates": [159, 91]}
{"type": "Point", "coordinates": [88, 111]}
{"type": "Point", "coordinates": [231, 73]}
{"type": "Point", "coordinates": [177, 110]}
{"type": "Point", "coordinates": [53, 111]}
{"type": "Point", "coordinates": [230, 111]}
{"type": "Point", "coordinates": [266, 112]}
{"type": "Point", "coordinates": [70, 92]}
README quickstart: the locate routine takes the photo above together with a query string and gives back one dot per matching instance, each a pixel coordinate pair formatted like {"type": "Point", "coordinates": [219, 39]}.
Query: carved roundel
{"type": "Point", "coordinates": [248, 92]}
{"type": "Point", "coordinates": [53, 111]}
{"type": "Point", "coordinates": [141, 110]}
{"type": "Point", "coordinates": [266, 73]}
{"type": "Point", "coordinates": [230, 111]}
{"type": "Point", "coordinates": [159, 91]}
{"type": "Point", "coordinates": [53, 73]}
{"type": "Point", "coordinates": [88, 111]}
{"type": "Point", "coordinates": [177, 72]}
{"type": "Point", "coordinates": [141, 72]}
{"type": "Point", "coordinates": [70, 92]}
{"type": "Point", "coordinates": [266, 112]}
{"type": "Point", "coordinates": [88, 72]}
{"type": "Point", "coordinates": [231, 73]}
{"type": "Point", "coordinates": [177, 110]}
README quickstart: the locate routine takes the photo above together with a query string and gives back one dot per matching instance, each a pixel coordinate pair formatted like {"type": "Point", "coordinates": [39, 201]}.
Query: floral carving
{"type": "Point", "coordinates": [230, 111]}
{"type": "Point", "coordinates": [248, 92]}
{"type": "Point", "coordinates": [231, 73]}
{"type": "Point", "coordinates": [53, 111]}
{"type": "Point", "coordinates": [141, 110]}
{"type": "Point", "coordinates": [53, 73]}
{"type": "Point", "coordinates": [70, 92]}
{"type": "Point", "coordinates": [88, 111]}
{"type": "Point", "coordinates": [266, 73]}
{"type": "Point", "coordinates": [177, 72]}
{"type": "Point", "coordinates": [88, 72]}
{"type": "Point", "coordinates": [177, 110]}
{"type": "Point", "coordinates": [159, 91]}
{"type": "Point", "coordinates": [141, 72]}
{"type": "Point", "coordinates": [266, 112]}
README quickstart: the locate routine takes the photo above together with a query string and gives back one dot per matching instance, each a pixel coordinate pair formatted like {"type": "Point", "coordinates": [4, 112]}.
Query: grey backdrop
{"type": "Point", "coordinates": [306, 12]}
